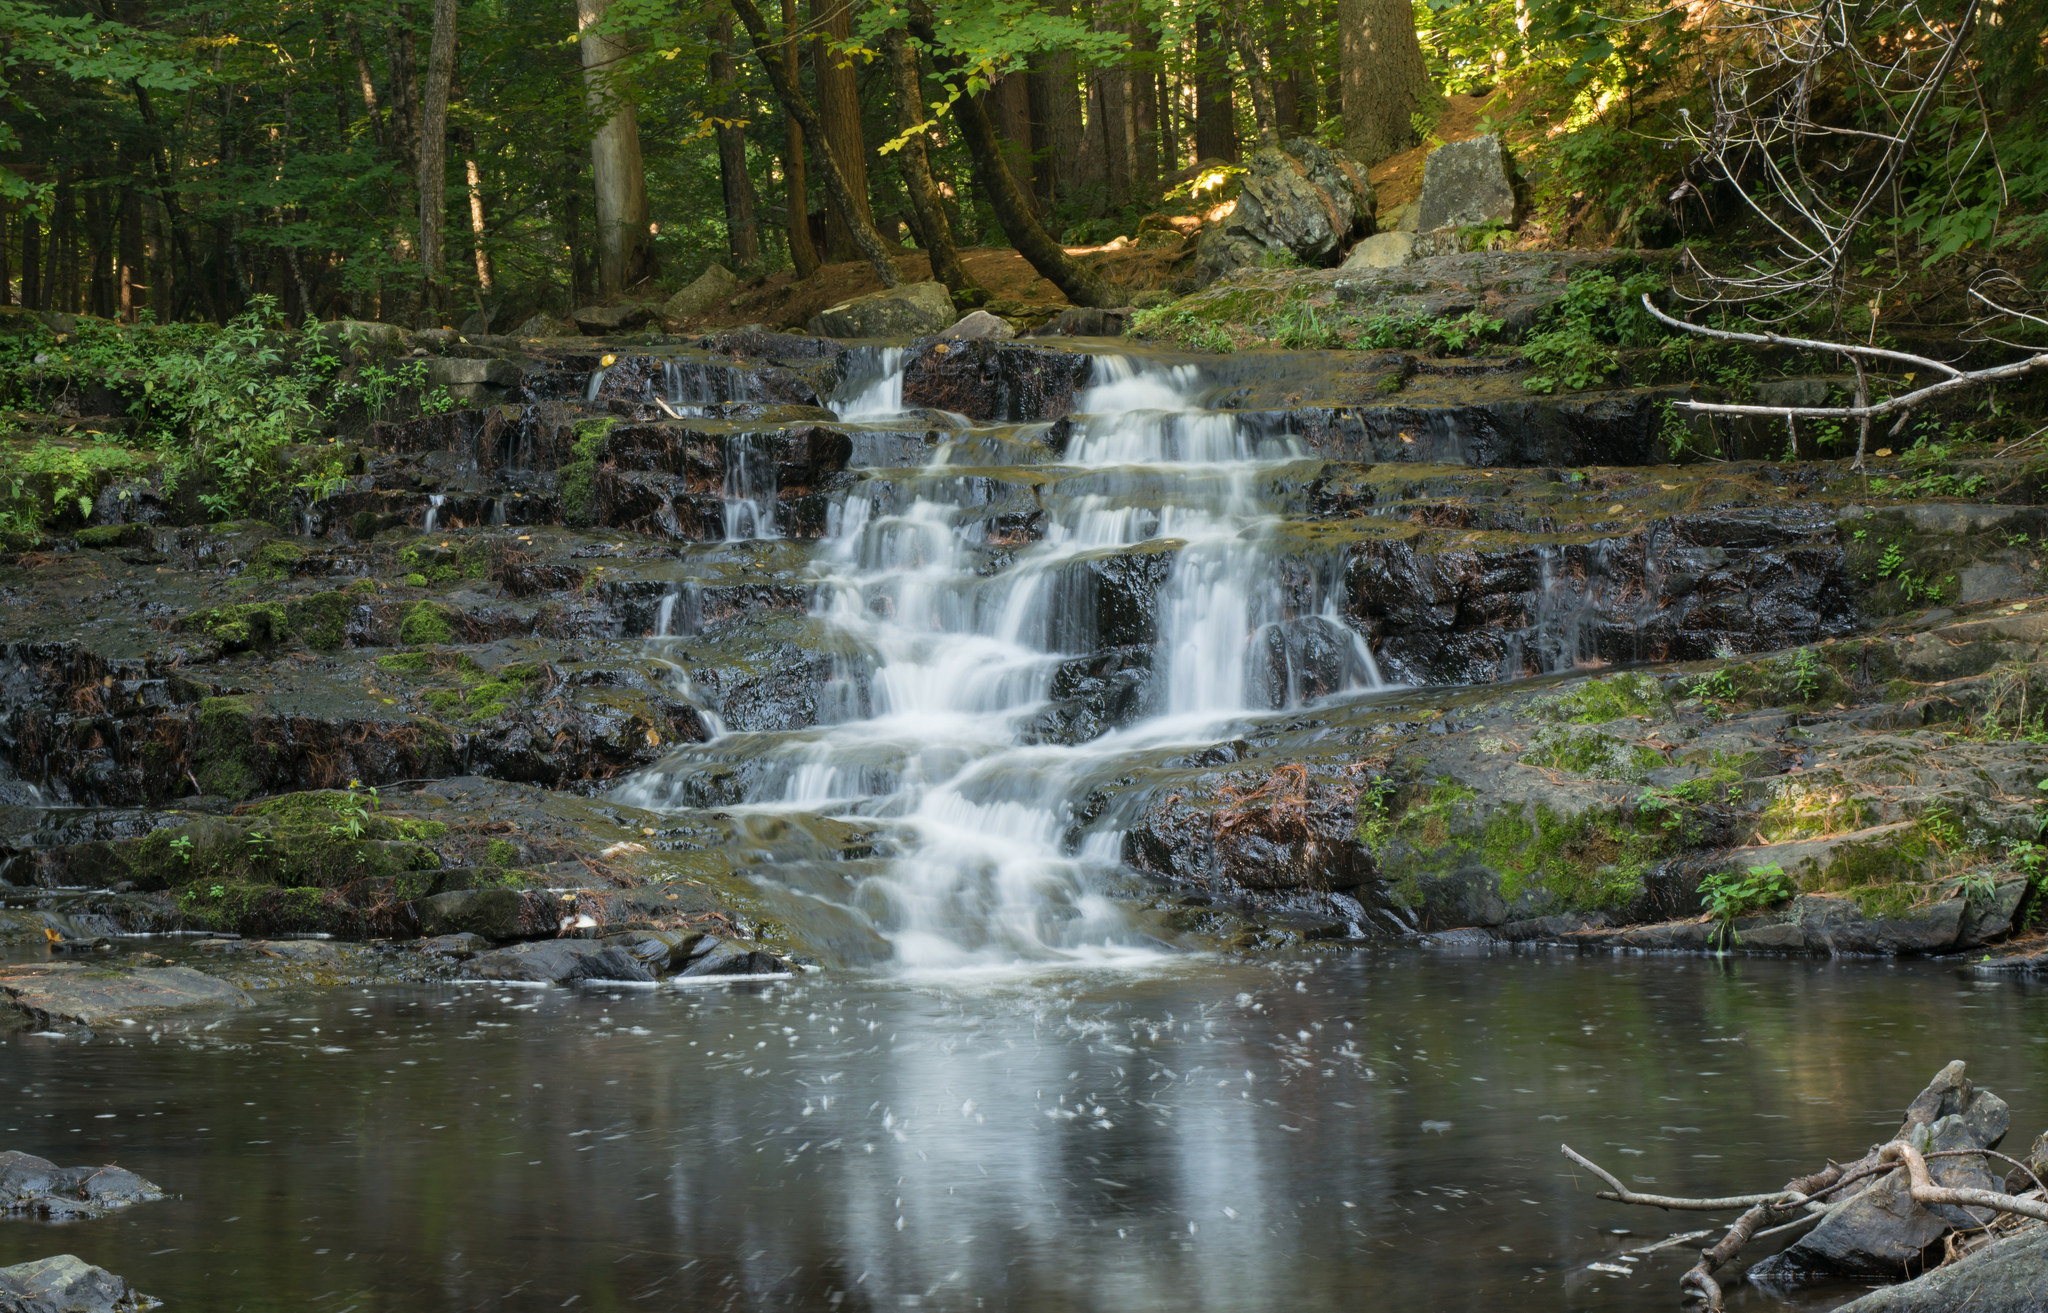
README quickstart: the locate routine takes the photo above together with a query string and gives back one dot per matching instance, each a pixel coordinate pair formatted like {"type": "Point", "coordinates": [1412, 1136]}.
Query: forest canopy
{"type": "Point", "coordinates": [452, 161]}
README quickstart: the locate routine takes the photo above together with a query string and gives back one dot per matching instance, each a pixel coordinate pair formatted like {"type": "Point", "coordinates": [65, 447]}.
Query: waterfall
{"type": "Point", "coordinates": [873, 387]}
{"type": "Point", "coordinates": [434, 504]}
{"type": "Point", "coordinates": [928, 727]}
{"type": "Point", "coordinates": [748, 491]}
{"type": "Point", "coordinates": [596, 382]}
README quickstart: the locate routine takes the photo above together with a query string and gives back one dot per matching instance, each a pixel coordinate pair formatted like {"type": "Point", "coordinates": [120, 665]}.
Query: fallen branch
{"type": "Point", "coordinates": [1925, 1191]}
{"type": "Point", "coordinates": [1623, 1195]}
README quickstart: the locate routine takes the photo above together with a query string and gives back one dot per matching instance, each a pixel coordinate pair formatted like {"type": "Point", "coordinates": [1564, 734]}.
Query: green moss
{"type": "Point", "coordinates": [113, 535]}
{"type": "Point", "coordinates": [320, 621]}
{"type": "Point", "coordinates": [1590, 753]}
{"type": "Point", "coordinates": [1803, 677]}
{"type": "Point", "coordinates": [240, 626]}
{"type": "Point", "coordinates": [226, 759]}
{"type": "Point", "coordinates": [425, 625]}
{"type": "Point", "coordinates": [414, 581]}
{"type": "Point", "coordinates": [274, 558]}
{"type": "Point", "coordinates": [579, 474]}
{"type": "Point", "coordinates": [501, 852]}
{"type": "Point", "coordinates": [407, 663]}
{"type": "Point", "coordinates": [363, 527]}
{"type": "Point", "coordinates": [1594, 861]}
{"type": "Point", "coordinates": [1597, 701]}
{"type": "Point", "coordinates": [441, 562]}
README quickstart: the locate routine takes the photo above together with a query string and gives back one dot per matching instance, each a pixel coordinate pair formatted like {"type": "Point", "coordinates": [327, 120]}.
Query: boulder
{"type": "Point", "coordinates": [1380, 251]}
{"type": "Point", "coordinates": [1990, 917]}
{"type": "Point", "coordinates": [41, 1188]}
{"type": "Point", "coordinates": [1306, 201]}
{"type": "Point", "coordinates": [66, 1284]}
{"type": "Point", "coordinates": [725, 958]}
{"type": "Point", "coordinates": [599, 320]}
{"type": "Point", "coordinates": [460, 946]}
{"type": "Point", "coordinates": [2006, 1276]}
{"type": "Point", "coordinates": [1881, 1231]}
{"type": "Point", "coordinates": [912, 310]}
{"type": "Point", "coordinates": [472, 380]}
{"type": "Point", "coordinates": [1467, 183]}
{"type": "Point", "coordinates": [662, 950]}
{"type": "Point", "coordinates": [544, 325]}
{"type": "Point", "coordinates": [436, 340]}
{"type": "Point", "coordinates": [492, 913]}
{"type": "Point", "coordinates": [980, 324]}
{"type": "Point", "coordinates": [365, 336]}
{"type": "Point", "coordinates": [559, 962]}
{"type": "Point", "coordinates": [712, 289]}
{"type": "Point", "coordinates": [59, 993]}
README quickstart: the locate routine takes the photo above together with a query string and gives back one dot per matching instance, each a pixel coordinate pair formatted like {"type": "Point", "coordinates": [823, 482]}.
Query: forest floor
{"type": "Point", "coordinates": [1140, 262]}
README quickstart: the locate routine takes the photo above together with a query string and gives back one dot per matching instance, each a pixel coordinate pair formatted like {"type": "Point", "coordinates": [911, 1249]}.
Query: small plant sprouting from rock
{"type": "Point", "coordinates": [182, 845]}
{"type": "Point", "coordinates": [354, 813]}
{"type": "Point", "coordinates": [1726, 895]}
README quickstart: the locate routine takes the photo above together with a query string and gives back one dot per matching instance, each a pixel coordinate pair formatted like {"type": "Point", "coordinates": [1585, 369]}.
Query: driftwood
{"type": "Point", "coordinates": [1810, 1198]}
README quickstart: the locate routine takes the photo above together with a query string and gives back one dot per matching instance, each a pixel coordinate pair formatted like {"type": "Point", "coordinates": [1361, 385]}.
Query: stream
{"type": "Point", "coordinates": [1372, 1128]}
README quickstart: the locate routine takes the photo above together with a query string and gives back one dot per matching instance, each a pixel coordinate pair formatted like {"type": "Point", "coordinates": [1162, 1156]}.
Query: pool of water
{"type": "Point", "coordinates": [1362, 1131]}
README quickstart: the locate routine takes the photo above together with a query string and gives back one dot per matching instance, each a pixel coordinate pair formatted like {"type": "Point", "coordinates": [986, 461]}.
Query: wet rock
{"type": "Point", "coordinates": [992, 381]}
{"type": "Point", "coordinates": [558, 962]}
{"type": "Point", "coordinates": [911, 310]}
{"type": "Point", "coordinates": [66, 1284]}
{"type": "Point", "coordinates": [1305, 201]}
{"type": "Point", "coordinates": [62, 993]}
{"type": "Point", "coordinates": [2009, 1275]}
{"type": "Point", "coordinates": [723, 957]}
{"type": "Point", "coordinates": [1084, 321]}
{"type": "Point", "coordinates": [980, 325]}
{"type": "Point", "coordinates": [542, 324]}
{"type": "Point", "coordinates": [491, 913]}
{"type": "Point", "coordinates": [473, 380]}
{"type": "Point", "coordinates": [711, 290]}
{"type": "Point", "coordinates": [1388, 250]}
{"type": "Point", "coordinates": [1467, 183]}
{"type": "Point", "coordinates": [1880, 1231]}
{"type": "Point", "coordinates": [39, 1187]}
{"type": "Point", "coordinates": [662, 950]}
{"type": "Point", "coordinates": [600, 320]}
{"type": "Point", "coordinates": [460, 946]}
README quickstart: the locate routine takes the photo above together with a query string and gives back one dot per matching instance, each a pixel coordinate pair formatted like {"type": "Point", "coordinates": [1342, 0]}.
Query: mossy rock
{"type": "Point", "coordinates": [1598, 701]}
{"type": "Point", "coordinates": [274, 558]}
{"type": "Point", "coordinates": [579, 474]}
{"type": "Point", "coordinates": [320, 621]}
{"type": "Point", "coordinates": [425, 625]}
{"type": "Point", "coordinates": [227, 761]}
{"type": "Point", "coordinates": [114, 535]}
{"type": "Point", "coordinates": [1591, 753]}
{"type": "Point", "coordinates": [241, 626]}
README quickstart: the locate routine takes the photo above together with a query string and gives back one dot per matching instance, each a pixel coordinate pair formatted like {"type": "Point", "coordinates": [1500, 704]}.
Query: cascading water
{"type": "Point", "coordinates": [434, 503]}
{"type": "Point", "coordinates": [929, 730]}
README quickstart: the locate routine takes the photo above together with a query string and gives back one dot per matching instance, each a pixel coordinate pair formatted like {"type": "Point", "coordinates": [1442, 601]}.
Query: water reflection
{"type": "Point", "coordinates": [1373, 1131]}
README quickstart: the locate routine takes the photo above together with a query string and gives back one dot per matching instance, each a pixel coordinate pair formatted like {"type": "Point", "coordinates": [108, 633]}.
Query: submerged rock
{"type": "Point", "coordinates": [67, 1284]}
{"type": "Point", "coordinates": [60, 1194]}
{"type": "Point", "coordinates": [64, 993]}
{"type": "Point", "coordinates": [558, 962]}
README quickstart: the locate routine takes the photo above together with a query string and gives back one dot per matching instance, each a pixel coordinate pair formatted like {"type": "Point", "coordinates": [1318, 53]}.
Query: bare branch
{"type": "Point", "coordinates": [1805, 343]}
{"type": "Point", "coordinates": [1925, 1191]}
{"type": "Point", "coordinates": [1622, 1194]}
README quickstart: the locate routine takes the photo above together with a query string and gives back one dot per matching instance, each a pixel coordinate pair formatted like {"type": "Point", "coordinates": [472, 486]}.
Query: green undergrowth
{"type": "Point", "coordinates": [461, 690]}
{"type": "Point", "coordinates": [319, 620]}
{"type": "Point", "coordinates": [579, 473]}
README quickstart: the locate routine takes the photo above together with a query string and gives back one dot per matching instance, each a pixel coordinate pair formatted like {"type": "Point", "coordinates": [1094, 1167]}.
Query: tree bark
{"type": "Point", "coordinates": [1144, 109]}
{"type": "Point", "coordinates": [1258, 80]}
{"type": "Point", "coordinates": [433, 157]}
{"type": "Point", "coordinates": [134, 277]}
{"type": "Point", "coordinates": [475, 178]}
{"type": "Point", "coordinates": [1215, 108]}
{"type": "Point", "coordinates": [839, 105]}
{"type": "Point", "coordinates": [31, 259]}
{"type": "Point", "coordinates": [1076, 281]}
{"type": "Point", "coordinates": [742, 234]}
{"type": "Point", "coordinates": [1383, 74]}
{"type": "Point", "coordinates": [366, 82]}
{"type": "Point", "coordinates": [836, 190]}
{"type": "Point", "coordinates": [1109, 121]}
{"type": "Point", "coordinates": [925, 203]}
{"type": "Point", "coordinates": [625, 257]}
{"type": "Point", "coordinates": [803, 255]}
{"type": "Point", "coordinates": [1010, 103]}
{"type": "Point", "coordinates": [405, 94]}
{"type": "Point", "coordinates": [6, 255]}
{"type": "Point", "coordinates": [1056, 118]}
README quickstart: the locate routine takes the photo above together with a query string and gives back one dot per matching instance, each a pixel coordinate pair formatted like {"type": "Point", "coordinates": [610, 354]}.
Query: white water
{"type": "Point", "coordinates": [956, 664]}
{"type": "Point", "coordinates": [434, 504]}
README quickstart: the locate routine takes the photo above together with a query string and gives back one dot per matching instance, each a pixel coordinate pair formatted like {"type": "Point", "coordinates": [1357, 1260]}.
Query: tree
{"type": "Point", "coordinates": [625, 256]}
{"type": "Point", "coordinates": [1215, 108]}
{"type": "Point", "coordinates": [433, 157]}
{"type": "Point", "coordinates": [933, 229]}
{"type": "Point", "coordinates": [803, 256]}
{"type": "Point", "coordinates": [839, 104]}
{"type": "Point", "coordinates": [742, 238]}
{"type": "Point", "coordinates": [1383, 75]}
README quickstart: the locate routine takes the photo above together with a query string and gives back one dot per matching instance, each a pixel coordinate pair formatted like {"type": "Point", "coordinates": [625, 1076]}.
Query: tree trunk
{"type": "Point", "coordinates": [1145, 109]}
{"type": "Point", "coordinates": [742, 234]}
{"type": "Point", "coordinates": [839, 105]}
{"type": "Point", "coordinates": [1384, 77]}
{"type": "Point", "coordinates": [475, 178]}
{"type": "Point", "coordinates": [6, 255]}
{"type": "Point", "coordinates": [433, 157]}
{"type": "Point", "coordinates": [925, 203]}
{"type": "Point", "coordinates": [1109, 122]}
{"type": "Point", "coordinates": [1009, 102]}
{"type": "Point", "coordinates": [1257, 79]}
{"type": "Point", "coordinates": [836, 190]}
{"type": "Point", "coordinates": [367, 83]}
{"type": "Point", "coordinates": [625, 258]}
{"type": "Point", "coordinates": [1056, 117]}
{"type": "Point", "coordinates": [1169, 133]}
{"type": "Point", "coordinates": [1080, 284]}
{"type": "Point", "coordinates": [134, 277]}
{"type": "Point", "coordinates": [1215, 108]}
{"type": "Point", "coordinates": [803, 256]}
{"type": "Point", "coordinates": [405, 94]}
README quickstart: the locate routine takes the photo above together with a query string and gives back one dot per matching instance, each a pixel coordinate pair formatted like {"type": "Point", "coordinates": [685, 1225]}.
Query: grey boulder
{"type": "Point", "coordinates": [1467, 183]}
{"type": "Point", "coordinates": [1381, 251]}
{"type": "Point", "coordinates": [597, 320]}
{"type": "Point", "coordinates": [912, 310]}
{"type": "Point", "coordinates": [39, 1187]}
{"type": "Point", "coordinates": [472, 380]}
{"type": "Point", "coordinates": [725, 958]}
{"type": "Point", "coordinates": [66, 1284]}
{"type": "Point", "coordinates": [980, 324]}
{"type": "Point", "coordinates": [711, 290]}
{"type": "Point", "coordinates": [559, 962]}
{"type": "Point", "coordinates": [1306, 201]}
{"type": "Point", "coordinates": [2006, 1276]}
